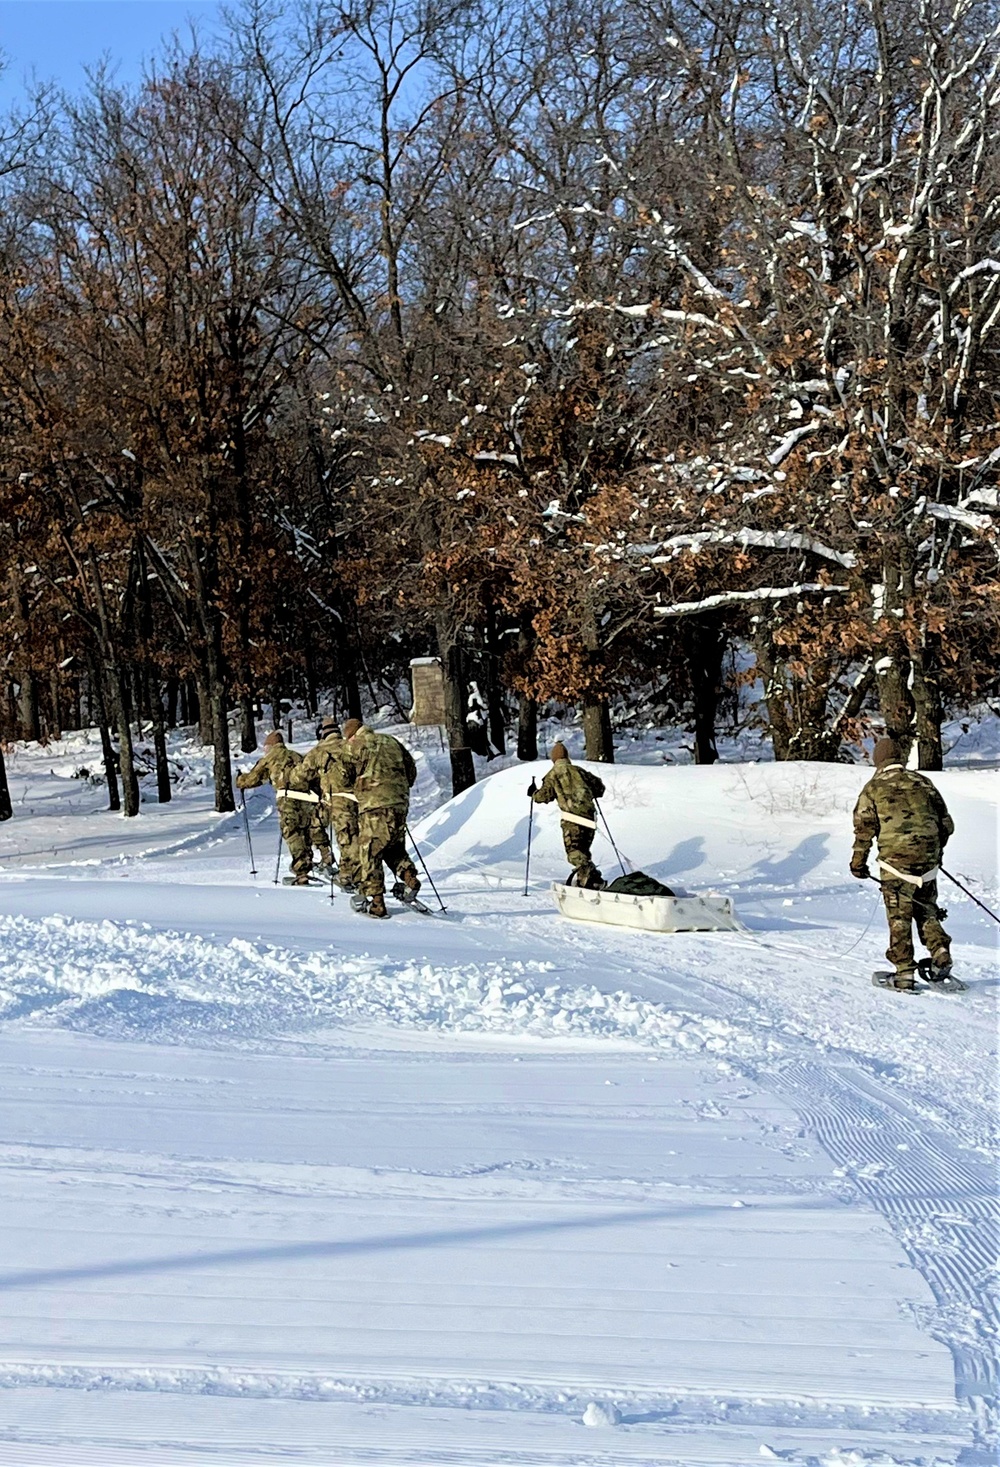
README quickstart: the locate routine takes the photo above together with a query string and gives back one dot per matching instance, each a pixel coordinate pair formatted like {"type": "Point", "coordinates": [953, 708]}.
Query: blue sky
{"type": "Point", "coordinates": [57, 39]}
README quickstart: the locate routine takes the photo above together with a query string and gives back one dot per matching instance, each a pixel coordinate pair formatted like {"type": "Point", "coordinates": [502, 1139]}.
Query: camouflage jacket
{"type": "Point", "coordinates": [329, 764]}
{"type": "Point", "coordinates": [573, 789]}
{"type": "Point", "coordinates": [281, 767]}
{"type": "Point", "coordinates": [384, 771]}
{"type": "Point", "coordinates": [905, 813]}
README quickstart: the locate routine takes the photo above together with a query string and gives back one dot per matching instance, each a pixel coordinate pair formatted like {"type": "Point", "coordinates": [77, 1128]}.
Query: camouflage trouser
{"type": "Point", "coordinates": [382, 838]}
{"type": "Point", "coordinates": [319, 832]}
{"type": "Point", "coordinates": [345, 828]}
{"type": "Point", "coordinates": [904, 905]}
{"type": "Point", "coordinates": [577, 841]}
{"type": "Point", "coordinates": [295, 819]}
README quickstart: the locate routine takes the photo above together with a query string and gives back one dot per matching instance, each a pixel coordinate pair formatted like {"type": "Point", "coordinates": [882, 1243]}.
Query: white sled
{"type": "Point", "coordinates": [648, 913]}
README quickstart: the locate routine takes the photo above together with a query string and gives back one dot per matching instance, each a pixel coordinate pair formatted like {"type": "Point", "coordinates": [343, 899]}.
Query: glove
{"type": "Point", "coordinates": [239, 781]}
{"type": "Point", "coordinates": [860, 870]}
{"type": "Point", "coordinates": [532, 787]}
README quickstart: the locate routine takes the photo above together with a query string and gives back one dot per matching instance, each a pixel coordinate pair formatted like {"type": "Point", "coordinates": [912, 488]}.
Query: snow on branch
{"type": "Point", "coordinates": [789, 442]}
{"type": "Point", "coordinates": [640, 312]}
{"type": "Point", "coordinates": [585, 208]}
{"type": "Point", "coordinates": [510, 460]}
{"type": "Point", "coordinates": [734, 598]}
{"type": "Point", "coordinates": [966, 517]}
{"type": "Point", "coordinates": [757, 540]}
{"type": "Point", "coordinates": [979, 268]}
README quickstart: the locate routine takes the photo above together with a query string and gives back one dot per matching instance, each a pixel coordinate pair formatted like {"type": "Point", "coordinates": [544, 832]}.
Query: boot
{"type": "Point", "coordinates": [904, 979]}
{"type": "Point", "coordinates": [938, 969]}
{"type": "Point", "coordinates": [407, 889]}
{"type": "Point", "coordinates": [376, 906]}
{"type": "Point", "coordinates": [302, 879]}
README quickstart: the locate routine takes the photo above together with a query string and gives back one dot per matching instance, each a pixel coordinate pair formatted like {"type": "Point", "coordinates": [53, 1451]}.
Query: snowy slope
{"type": "Point", "coordinates": [283, 1183]}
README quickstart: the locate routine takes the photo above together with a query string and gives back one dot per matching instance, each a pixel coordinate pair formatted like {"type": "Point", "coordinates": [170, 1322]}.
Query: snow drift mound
{"type": "Point", "coordinates": [127, 981]}
{"type": "Point", "coordinates": [731, 826]}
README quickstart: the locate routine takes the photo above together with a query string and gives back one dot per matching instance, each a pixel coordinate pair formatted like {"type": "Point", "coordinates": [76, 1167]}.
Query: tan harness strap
{"type": "Point", "coordinates": [577, 819]}
{"type": "Point", "coordinates": [297, 795]}
{"type": "Point", "coordinates": [923, 880]}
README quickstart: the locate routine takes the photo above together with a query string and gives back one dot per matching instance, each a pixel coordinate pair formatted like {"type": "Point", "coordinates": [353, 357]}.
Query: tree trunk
{"type": "Point", "coordinates": [75, 704]}
{"type": "Point", "coordinates": [215, 702]}
{"type": "Point", "coordinates": [99, 710]}
{"type": "Point", "coordinates": [527, 727]}
{"type": "Point", "coordinates": [155, 704]}
{"type": "Point", "coordinates": [927, 704]}
{"type": "Point", "coordinates": [172, 692]}
{"type": "Point", "coordinates": [190, 708]}
{"type": "Point", "coordinates": [893, 666]}
{"type": "Point", "coordinates": [496, 713]}
{"type": "Point", "coordinates": [205, 715]}
{"type": "Point", "coordinates": [348, 667]}
{"type": "Point", "coordinates": [248, 728]}
{"type": "Point", "coordinates": [309, 673]}
{"type": "Point", "coordinates": [463, 770]}
{"type": "Point", "coordinates": [352, 692]}
{"type": "Point", "coordinates": [704, 641]}
{"type": "Point", "coordinates": [774, 694]}
{"type": "Point", "coordinates": [597, 740]}
{"type": "Point", "coordinates": [55, 708]}
{"type": "Point", "coordinates": [130, 784]}
{"type": "Point", "coordinates": [6, 809]}
{"type": "Point", "coordinates": [527, 707]}
{"type": "Point", "coordinates": [139, 686]}
{"type": "Point", "coordinates": [27, 707]}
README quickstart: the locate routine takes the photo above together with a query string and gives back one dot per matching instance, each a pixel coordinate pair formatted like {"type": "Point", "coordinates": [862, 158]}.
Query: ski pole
{"type": "Point", "coordinates": [968, 893]}
{"type": "Point", "coordinates": [277, 864]}
{"type": "Point", "coordinates": [607, 830]}
{"type": "Point", "coordinates": [423, 863]}
{"type": "Point", "coordinates": [246, 827]}
{"type": "Point", "coordinates": [333, 869]}
{"type": "Point", "coordinates": [527, 858]}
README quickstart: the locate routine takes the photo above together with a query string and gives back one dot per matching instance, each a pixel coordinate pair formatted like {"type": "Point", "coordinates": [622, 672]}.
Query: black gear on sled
{"type": "Point", "coordinates": [637, 883]}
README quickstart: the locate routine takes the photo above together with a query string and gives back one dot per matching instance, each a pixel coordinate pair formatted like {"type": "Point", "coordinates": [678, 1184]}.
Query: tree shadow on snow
{"type": "Point", "coordinates": [394, 1242]}
{"type": "Point", "coordinates": [806, 856]}
{"type": "Point", "coordinates": [686, 855]}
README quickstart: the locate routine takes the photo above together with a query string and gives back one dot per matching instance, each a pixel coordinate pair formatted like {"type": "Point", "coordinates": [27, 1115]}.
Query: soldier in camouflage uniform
{"type": "Point", "coordinates": [329, 764]}
{"type": "Point", "coordinates": [575, 791]}
{"type": "Point", "coordinates": [384, 773]}
{"type": "Point", "coordinates": [905, 813]}
{"type": "Point", "coordinates": [282, 768]}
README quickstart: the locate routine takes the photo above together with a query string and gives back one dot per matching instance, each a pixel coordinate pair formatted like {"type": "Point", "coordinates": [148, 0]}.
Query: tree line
{"type": "Point", "coordinates": [575, 347]}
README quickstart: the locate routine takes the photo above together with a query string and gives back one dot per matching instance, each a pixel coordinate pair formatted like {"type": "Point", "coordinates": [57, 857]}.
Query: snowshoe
{"type": "Point", "coordinates": [368, 906]}
{"type": "Point", "coordinates": [409, 898]}
{"type": "Point", "coordinates": [940, 977]}
{"type": "Point", "coordinates": [296, 881]}
{"type": "Point", "coordinates": [897, 982]}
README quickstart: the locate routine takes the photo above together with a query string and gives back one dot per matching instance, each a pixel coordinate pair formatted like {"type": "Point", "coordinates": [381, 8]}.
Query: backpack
{"type": "Point", "coordinates": [637, 883]}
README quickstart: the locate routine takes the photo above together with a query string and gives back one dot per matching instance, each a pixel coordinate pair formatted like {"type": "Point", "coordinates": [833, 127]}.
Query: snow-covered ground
{"type": "Point", "coordinates": [284, 1184]}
